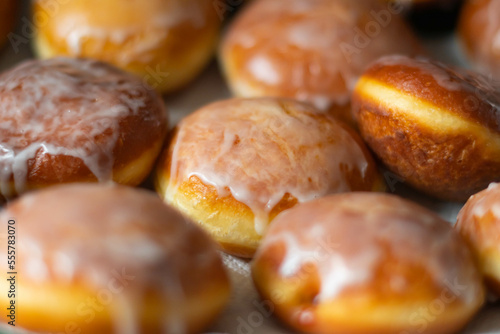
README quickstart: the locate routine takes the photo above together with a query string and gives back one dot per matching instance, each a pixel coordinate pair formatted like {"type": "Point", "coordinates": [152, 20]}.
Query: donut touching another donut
{"type": "Point", "coordinates": [73, 120]}
{"type": "Point", "coordinates": [435, 126]}
{"type": "Point", "coordinates": [367, 263]}
{"type": "Point", "coordinates": [479, 224]}
{"type": "Point", "coordinates": [110, 259]}
{"type": "Point", "coordinates": [233, 165]}
{"type": "Point", "coordinates": [479, 31]}
{"type": "Point", "coordinates": [165, 42]}
{"type": "Point", "coordinates": [310, 50]}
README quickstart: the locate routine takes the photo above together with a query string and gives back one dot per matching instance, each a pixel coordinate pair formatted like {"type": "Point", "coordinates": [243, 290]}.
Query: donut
{"type": "Point", "coordinates": [433, 125]}
{"type": "Point", "coordinates": [165, 42]}
{"type": "Point", "coordinates": [68, 120]}
{"type": "Point", "coordinates": [310, 50]}
{"type": "Point", "coordinates": [479, 223]}
{"type": "Point", "coordinates": [233, 165]}
{"type": "Point", "coordinates": [8, 16]}
{"type": "Point", "coordinates": [96, 258]}
{"type": "Point", "coordinates": [367, 263]}
{"type": "Point", "coordinates": [479, 32]}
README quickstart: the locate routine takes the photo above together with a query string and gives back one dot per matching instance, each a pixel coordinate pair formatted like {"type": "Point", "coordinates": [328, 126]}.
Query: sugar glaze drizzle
{"type": "Point", "coordinates": [63, 107]}
{"type": "Point", "coordinates": [260, 150]}
{"type": "Point", "coordinates": [347, 237]}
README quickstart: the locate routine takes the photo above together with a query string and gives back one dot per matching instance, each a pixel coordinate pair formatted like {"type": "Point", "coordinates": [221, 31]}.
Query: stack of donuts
{"type": "Point", "coordinates": [118, 220]}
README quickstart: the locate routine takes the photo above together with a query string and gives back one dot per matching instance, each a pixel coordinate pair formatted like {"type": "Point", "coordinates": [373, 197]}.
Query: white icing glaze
{"type": "Point", "coordinates": [472, 219]}
{"type": "Point", "coordinates": [63, 266]}
{"type": "Point", "coordinates": [62, 107]}
{"type": "Point", "coordinates": [261, 150]}
{"type": "Point", "coordinates": [94, 230]}
{"type": "Point", "coordinates": [348, 237]}
{"type": "Point", "coordinates": [303, 40]}
{"type": "Point", "coordinates": [263, 70]}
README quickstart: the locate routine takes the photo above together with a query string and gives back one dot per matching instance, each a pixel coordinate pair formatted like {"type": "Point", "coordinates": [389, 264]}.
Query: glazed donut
{"type": "Point", "coordinates": [110, 259]}
{"type": "Point", "coordinates": [311, 50]}
{"type": "Point", "coordinates": [233, 165]}
{"type": "Point", "coordinates": [8, 16]}
{"type": "Point", "coordinates": [479, 31]}
{"type": "Point", "coordinates": [165, 42]}
{"type": "Point", "coordinates": [479, 224]}
{"type": "Point", "coordinates": [73, 120]}
{"type": "Point", "coordinates": [435, 126]}
{"type": "Point", "coordinates": [367, 263]}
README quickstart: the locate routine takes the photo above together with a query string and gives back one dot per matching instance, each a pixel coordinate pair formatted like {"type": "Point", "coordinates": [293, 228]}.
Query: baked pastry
{"type": "Point", "coordinates": [73, 120]}
{"type": "Point", "coordinates": [110, 259]}
{"type": "Point", "coordinates": [479, 224]}
{"type": "Point", "coordinates": [367, 263]}
{"type": "Point", "coordinates": [312, 51]}
{"type": "Point", "coordinates": [435, 126]}
{"type": "Point", "coordinates": [165, 42]}
{"type": "Point", "coordinates": [233, 165]}
{"type": "Point", "coordinates": [8, 16]}
{"type": "Point", "coordinates": [479, 31]}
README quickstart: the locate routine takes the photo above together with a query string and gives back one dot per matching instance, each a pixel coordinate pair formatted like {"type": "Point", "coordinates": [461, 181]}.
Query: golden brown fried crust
{"type": "Point", "coordinates": [200, 201]}
{"type": "Point", "coordinates": [232, 222]}
{"type": "Point", "coordinates": [470, 101]}
{"type": "Point", "coordinates": [166, 57]}
{"type": "Point", "coordinates": [181, 277]}
{"type": "Point", "coordinates": [433, 158]}
{"type": "Point", "coordinates": [378, 304]}
{"type": "Point", "coordinates": [422, 157]}
{"type": "Point", "coordinates": [136, 136]}
{"type": "Point", "coordinates": [300, 292]}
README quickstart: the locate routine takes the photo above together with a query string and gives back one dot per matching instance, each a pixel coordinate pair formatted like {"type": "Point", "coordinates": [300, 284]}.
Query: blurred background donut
{"type": "Point", "coordinates": [110, 259]}
{"type": "Point", "coordinates": [165, 42]}
{"type": "Point", "coordinates": [310, 50]}
{"type": "Point", "coordinates": [479, 31]}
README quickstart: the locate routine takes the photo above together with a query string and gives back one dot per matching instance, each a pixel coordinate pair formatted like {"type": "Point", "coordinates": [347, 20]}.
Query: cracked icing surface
{"type": "Point", "coordinates": [259, 150]}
